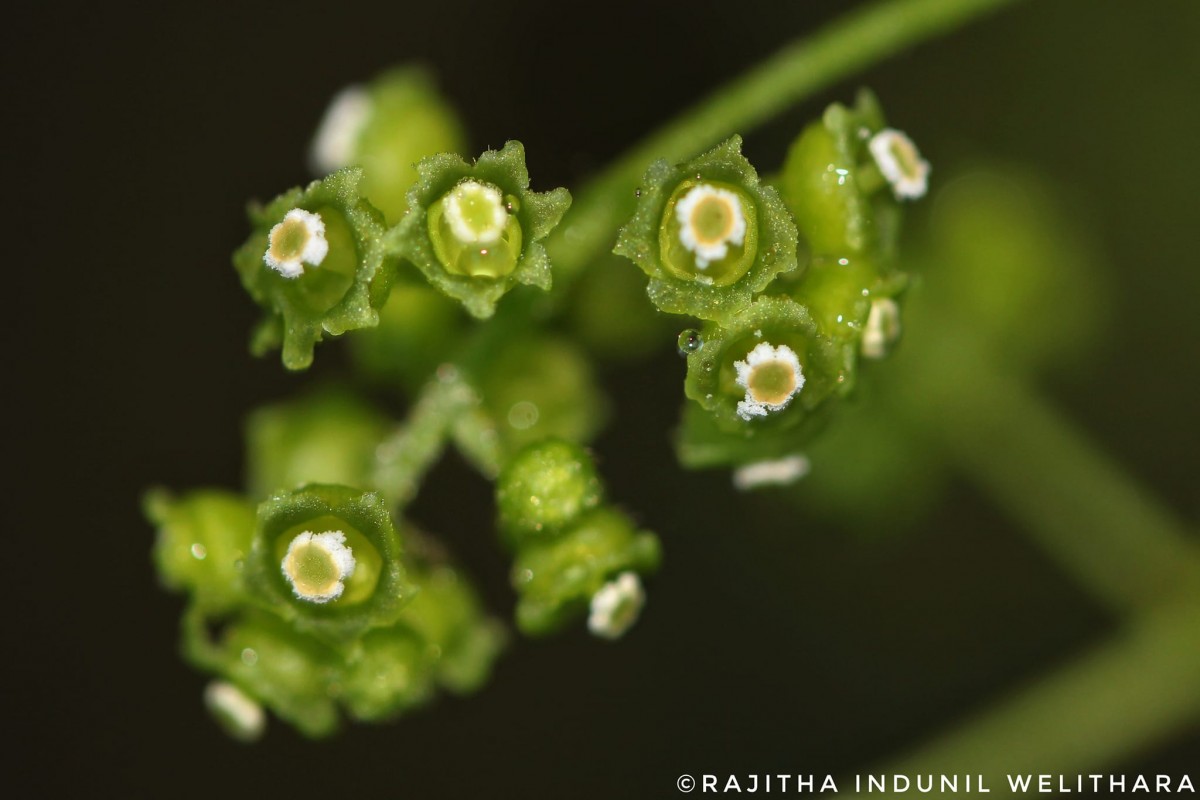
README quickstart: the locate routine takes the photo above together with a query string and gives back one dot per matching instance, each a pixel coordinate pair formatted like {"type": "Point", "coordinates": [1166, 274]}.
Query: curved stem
{"type": "Point", "coordinates": [859, 39]}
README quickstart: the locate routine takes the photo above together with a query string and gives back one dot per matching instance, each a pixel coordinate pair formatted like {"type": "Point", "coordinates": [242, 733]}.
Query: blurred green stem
{"type": "Point", "coordinates": [1093, 519]}
{"type": "Point", "coordinates": [1113, 703]}
{"type": "Point", "coordinates": [856, 41]}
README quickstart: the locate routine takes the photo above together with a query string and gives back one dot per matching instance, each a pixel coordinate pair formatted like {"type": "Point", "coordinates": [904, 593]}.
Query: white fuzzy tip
{"type": "Point", "coordinates": [476, 212]}
{"type": "Point", "coordinates": [317, 564]}
{"type": "Point", "coordinates": [710, 219]}
{"type": "Point", "coordinates": [900, 163]}
{"type": "Point", "coordinates": [779, 472]}
{"type": "Point", "coordinates": [882, 328]}
{"type": "Point", "coordinates": [616, 606]}
{"type": "Point", "coordinates": [298, 239]}
{"type": "Point", "coordinates": [771, 377]}
{"type": "Point", "coordinates": [336, 142]}
{"type": "Point", "coordinates": [240, 713]}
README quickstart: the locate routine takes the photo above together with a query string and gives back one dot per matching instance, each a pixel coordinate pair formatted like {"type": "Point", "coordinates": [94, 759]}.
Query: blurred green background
{"type": "Point", "coordinates": [783, 635]}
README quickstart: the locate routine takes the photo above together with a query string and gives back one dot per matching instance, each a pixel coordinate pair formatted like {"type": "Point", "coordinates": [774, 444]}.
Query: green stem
{"type": "Point", "coordinates": [405, 456]}
{"type": "Point", "coordinates": [1115, 702]}
{"type": "Point", "coordinates": [859, 39]}
{"type": "Point", "coordinates": [1079, 506]}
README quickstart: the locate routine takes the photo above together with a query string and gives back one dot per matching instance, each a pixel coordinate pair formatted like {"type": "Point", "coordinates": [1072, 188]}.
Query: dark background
{"type": "Point", "coordinates": [137, 137]}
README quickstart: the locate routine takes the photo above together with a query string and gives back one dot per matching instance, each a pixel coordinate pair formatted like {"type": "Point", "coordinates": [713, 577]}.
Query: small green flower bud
{"type": "Point", "coordinates": [386, 127]}
{"type": "Point", "coordinates": [474, 230]}
{"type": "Point", "coordinates": [202, 540]}
{"type": "Point", "coordinates": [539, 387]}
{"type": "Point", "coordinates": [326, 437]}
{"type": "Point", "coordinates": [708, 233]}
{"type": "Point", "coordinates": [558, 579]}
{"type": "Point", "coordinates": [328, 557]}
{"type": "Point", "coordinates": [544, 488]}
{"type": "Point", "coordinates": [389, 673]}
{"type": "Point", "coordinates": [315, 264]}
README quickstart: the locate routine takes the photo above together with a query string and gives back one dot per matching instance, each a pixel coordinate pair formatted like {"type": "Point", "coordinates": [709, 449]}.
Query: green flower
{"type": "Point", "coordinates": [708, 233]}
{"type": "Point", "coordinates": [315, 264]}
{"type": "Point", "coordinates": [474, 230]}
{"type": "Point", "coordinates": [328, 559]}
{"type": "Point", "coordinates": [765, 369]}
{"type": "Point", "coordinates": [558, 580]}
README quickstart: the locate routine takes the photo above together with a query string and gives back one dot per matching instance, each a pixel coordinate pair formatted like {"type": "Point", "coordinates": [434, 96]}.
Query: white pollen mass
{"type": "Point", "coordinates": [475, 212]}
{"type": "Point", "coordinates": [336, 141]}
{"type": "Point", "coordinates": [616, 605]}
{"type": "Point", "coordinates": [900, 163]}
{"type": "Point", "coordinates": [317, 564]}
{"type": "Point", "coordinates": [298, 239]}
{"type": "Point", "coordinates": [710, 246]}
{"type": "Point", "coordinates": [764, 365]}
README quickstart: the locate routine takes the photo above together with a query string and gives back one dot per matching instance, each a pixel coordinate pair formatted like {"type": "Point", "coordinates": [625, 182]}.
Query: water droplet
{"type": "Point", "coordinates": [249, 656]}
{"type": "Point", "coordinates": [199, 551]}
{"type": "Point", "coordinates": [689, 341]}
{"type": "Point", "coordinates": [637, 192]}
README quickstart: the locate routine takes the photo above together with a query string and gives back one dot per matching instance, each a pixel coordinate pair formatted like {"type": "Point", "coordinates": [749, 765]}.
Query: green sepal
{"type": "Point", "coordinates": [403, 119]}
{"type": "Point", "coordinates": [535, 214]}
{"type": "Point", "coordinates": [203, 539]}
{"type": "Point", "coordinates": [544, 488]}
{"type": "Point", "coordinates": [555, 581]}
{"type": "Point", "coordinates": [342, 294]}
{"type": "Point", "coordinates": [290, 673]}
{"type": "Point", "coordinates": [329, 436]}
{"type": "Point", "coordinates": [461, 641]}
{"type": "Point", "coordinates": [702, 443]}
{"type": "Point", "coordinates": [541, 386]}
{"type": "Point", "coordinates": [833, 188]}
{"type": "Point", "coordinates": [771, 233]}
{"type": "Point", "coordinates": [373, 595]}
{"type": "Point", "coordinates": [712, 380]}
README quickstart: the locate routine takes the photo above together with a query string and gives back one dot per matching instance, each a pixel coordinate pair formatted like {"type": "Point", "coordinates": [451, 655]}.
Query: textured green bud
{"type": "Point", "coordinates": [315, 263]}
{"type": "Point", "coordinates": [203, 539]}
{"type": "Point", "coordinates": [389, 673]}
{"type": "Point", "coordinates": [545, 487]}
{"type": "Point", "coordinates": [557, 580]}
{"type": "Point", "coordinates": [474, 230]}
{"type": "Point", "coordinates": [539, 387]}
{"type": "Point", "coordinates": [327, 437]}
{"type": "Point", "coordinates": [386, 127]}
{"type": "Point", "coordinates": [328, 558]}
{"type": "Point", "coordinates": [461, 641]}
{"type": "Point", "coordinates": [765, 369]}
{"type": "Point", "coordinates": [708, 234]}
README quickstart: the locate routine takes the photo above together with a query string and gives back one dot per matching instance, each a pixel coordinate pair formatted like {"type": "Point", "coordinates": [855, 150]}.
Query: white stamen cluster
{"type": "Point", "coordinates": [900, 163]}
{"type": "Point", "coordinates": [475, 192]}
{"type": "Point", "coordinates": [706, 248]}
{"type": "Point", "coordinates": [313, 252]}
{"type": "Point", "coordinates": [882, 328]}
{"type": "Point", "coordinates": [336, 141]}
{"type": "Point", "coordinates": [616, 606]}
{"type": "Point", "coordinates": [779, 472]}
{"type": "Point", "coordinates": [332, 545]}
{"type": "Point", "coordinates": [757, 403]}
{"type": "Point", "coordinates": [241, 712]}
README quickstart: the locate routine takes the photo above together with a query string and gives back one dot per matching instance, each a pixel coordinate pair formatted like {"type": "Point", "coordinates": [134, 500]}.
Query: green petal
{"type": "Point", "coordinates": [679, 282]}
{"type": "Point", "coordinates": [479, 274]}
{"type": "Point", "coordinates": [556, 580]}
{"type": "Point", "coordinates": [202, 541]}
{"type": "Point", "coordinates": [376, 591]}
{"type": "Point", "coordinates": [342, 293]}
